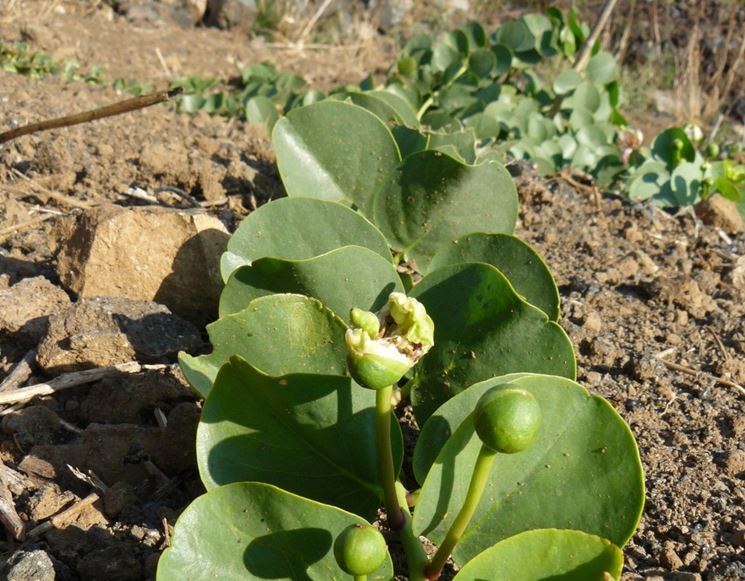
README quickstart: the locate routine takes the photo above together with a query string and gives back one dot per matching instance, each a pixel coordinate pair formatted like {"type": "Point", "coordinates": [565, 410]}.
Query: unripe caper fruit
{"type": "Point", "coordinates": [507, 419]}
{"type": "Point", "coordinates": [360, 549]}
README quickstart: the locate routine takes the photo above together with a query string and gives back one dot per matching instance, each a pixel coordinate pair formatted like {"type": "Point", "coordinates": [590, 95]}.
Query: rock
{"type": "Point", "coordinates": [117, 562]}
{"type": "Point", "coordinates": [114, 452]}
{"type": "Point", "coordinates": [131, 399]}
{"type": "Point", "coordinates": [722, 213]}
{"type": "Point", "coordinates": [593, 323]}
{"type": "Point", "coordinates": [670, 558]}
{"type": "Point", "coordinates": [738, 538]}
{"type": "Point", "coordinates": [26, 565]}
{"type": "Point", "coordinates": [684, 576]}
{"type": "Point", "coordinates": [146, 253]}
{"type": "Point", "coordinates": [176, 451]}
{"type": "Point", "coordinates": [734, 462]}
{"type": "Point", "coordinates": [117, 497]}
{"type": "Point", "coordinates": [232, 14]}
{"type": "Point", "coordinates": [105, 331]}
{"type": "Point", "coordinates": [48, 500]}
{"type": "Point", "coordinates": [26, 307]}
{"type": "Point", "coordinates": [35, 424]}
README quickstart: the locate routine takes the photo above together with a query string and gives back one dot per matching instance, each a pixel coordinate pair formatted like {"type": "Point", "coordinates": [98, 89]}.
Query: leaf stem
{"type": "Point", "coordinates": [479, 478]}
{"type": "Point", "coordinates": [415, 555]}
{"type": "Point", "coordinates": [431, 99]}
{"type": "Point", "coordinates": [383, 409]}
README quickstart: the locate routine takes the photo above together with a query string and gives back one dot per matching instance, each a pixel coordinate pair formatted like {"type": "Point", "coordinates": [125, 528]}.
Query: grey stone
{"type": "Point", "coordinates": [27, 565]}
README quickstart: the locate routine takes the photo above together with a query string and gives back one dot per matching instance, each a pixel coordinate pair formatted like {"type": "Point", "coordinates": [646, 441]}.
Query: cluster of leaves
{"type": "Point", "coordinates": [286, 444]}
{"type": "Point", "coordinates": [674, 173]}
{"type": "Point", "coordinates": [17, 58]}
{"type": "Point", "coordinates": [509, 93]}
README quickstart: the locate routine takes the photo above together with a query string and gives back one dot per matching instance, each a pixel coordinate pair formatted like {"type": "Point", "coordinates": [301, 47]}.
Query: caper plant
{"type": "Point", "coordinates": [390, 276]}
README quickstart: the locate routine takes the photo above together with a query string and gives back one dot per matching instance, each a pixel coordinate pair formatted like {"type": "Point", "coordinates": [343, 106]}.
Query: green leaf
{"type": "Point", "coordinates": [310, 434]}
{"type": "Point", "coordinates": [567, 81]}
{"type": "Point", "coordinates": [482, 329]}
{"type": "Point", "coordinates": [475, 34]}
{"type": "Point", "coordinates": [585, 96]}
{"type": "Point", "coordinates": [296, 229]}
{"type": "Point", "coordinates": [727, 189]}
{"type": "Point", "coordinates": [583, 472]}
{"type": "Point", "coordinates": [379, 107]}
{"type": "Point", "coordinates": [335, 151]}
{"type": "Point", "coordinates": [525, 269]}
{"type": "Point", "coordinates": [591, 136]}
{"type": "Point", "coordinates": [409, 140]}
{"type": "Point", "coordinates": [403, 109]}
{"type": "Point", "coordinates": [459, 144]}
{"type": "Point", "coordinates": [482, 62]}
{"type": "Point", "coordinates": [580, 118]}
{"type": "Point", "coordinates": [261, 110]}
{"type": "Point", "coordinates": [663, 147]}
{"type": "Point", "coordinates": [341, 279]}
{"type": "Point", "coordinates": [556, 554]}
{"type": "Point", "coordinates": [437, 198]}
{"type": "Point", "coordinates": [278, 334]}
{"type": "Point", "coordinates": [250, 530]}
{"type": "Point", "coordinates": [648, 180]}
{"type": "Point", "coordinates": [515, 35]}
{"type": "Point", "coordinates": [504, 58]}
{"type": "Point", "coordinates": [601, 68]}
{"type": "Point", "coordinates": [483, 125]}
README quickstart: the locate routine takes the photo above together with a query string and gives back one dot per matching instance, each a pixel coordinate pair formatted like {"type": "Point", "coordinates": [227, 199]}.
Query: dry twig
{"type": "Point", "coordinates": [694, 373]}
{"type": "Point", "coordinates": [20, 372]}
{"type": "Point", "coordinates": [64, 517]}
{"type": "Point", "coordinates": [125, 106]}
{"type": "Point", "coordinates": [71, 380]}
{"type": "Point", "coordinates": [584, 53]}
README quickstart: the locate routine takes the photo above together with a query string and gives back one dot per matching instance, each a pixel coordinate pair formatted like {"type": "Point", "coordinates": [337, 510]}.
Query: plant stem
{"type": "Point", "coordinates": [415, 555]}
{"type": "Point", "coordinates": [431, 99]}
{"type": "Point", "coordinates": [383, 410]}
{"type": "Point", "coordinates": [360, 578]}
{"type": "Point", "coordinates": [479, 479]}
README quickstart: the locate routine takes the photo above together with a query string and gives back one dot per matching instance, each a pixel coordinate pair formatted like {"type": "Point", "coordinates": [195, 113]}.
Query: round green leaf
{"type": "Point", "coordinates": [567, 81]}
{"type": "Point", "coordinates": [250, 530]}
{"type": "Point", "coordinates": [482, 329]}
{"type": "Point", "coordinates": [601, 68]}
{"type": "Point", "coordinates": [516, 259]}
{"type": "Point", "coordinates": [335, 151]}
{"type": "Point", "coordinates": [482, 62]}
{"type": "Point", "coordinates": [585, 96]}
{"type": "Point", "coordinates": [278, 334]}
{"type": "Point", "coordinates": [299, 228]}
{"type": "Point", "coordinates": [475, 34]}
{"type": "Point", "coordinates": [504, 58]}
{"type": "Point", "coordinates": [583, 472]}
{"type": "Point", "coordinates": [380, 108]}
{"type": "Point", "coordinates": [580, 118]}
{"type": "Point", "coordinates": [437, 198]}
{"type": "Point", "coordinates": [485, 126]}
{"type": "Point", "coordinates": [648, 180]}
{"type": "Point", "coordinates": [341, 279]}
{"type": "Point", "coordinates": [515, 35]}
{"type": "Point", "coordinates": [591, 136]}
{"type": "Point", "coordinates": [309, 434]}
{"type": "Point", "coordinates": [459, 144]}
{"type": "Point", "coordinates": [556, 554]}
{"type": "Point", "coordinates": [409, 140]}
{"type": "Point", "coordinates": [261, 110]}
{"type": "Point", "coordinates": [663, 148]}
{"type": "Point", "coordinates": [404, 110]}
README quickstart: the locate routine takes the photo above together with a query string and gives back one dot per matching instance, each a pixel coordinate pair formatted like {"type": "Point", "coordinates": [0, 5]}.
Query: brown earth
{"type": "Point", "coordinates": [655, 306]}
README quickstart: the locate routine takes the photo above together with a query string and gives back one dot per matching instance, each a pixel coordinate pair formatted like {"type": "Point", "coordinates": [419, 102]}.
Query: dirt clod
{"type": "Point", "coordinates": [104, 331]}
{"type": "Point", "coordinates": [152, 254]}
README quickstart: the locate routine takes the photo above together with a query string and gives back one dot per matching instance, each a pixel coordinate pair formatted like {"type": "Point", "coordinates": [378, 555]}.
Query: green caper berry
{"type": "Point", "coordinates": [507, 420]}
{"type": "Point", "coordinates": [360, 549]}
